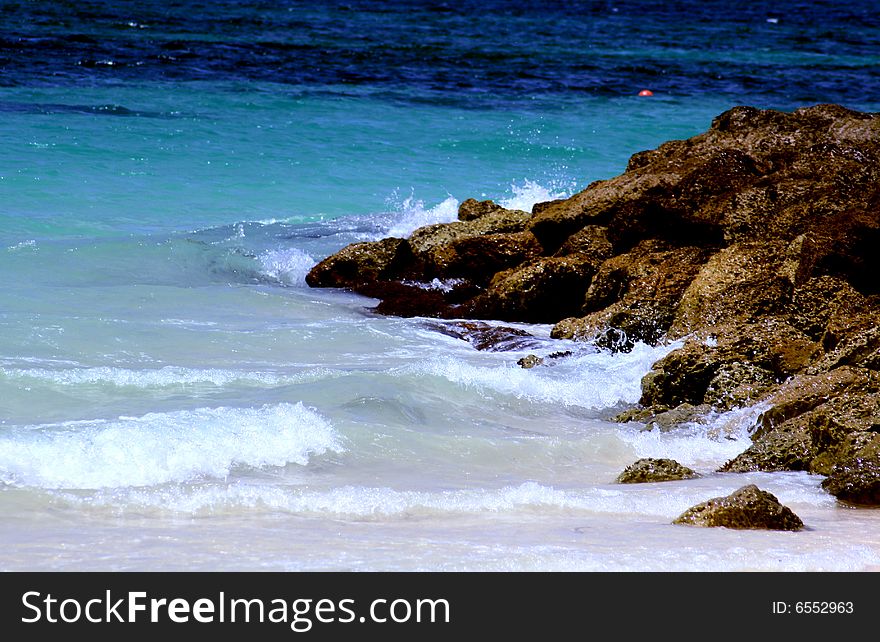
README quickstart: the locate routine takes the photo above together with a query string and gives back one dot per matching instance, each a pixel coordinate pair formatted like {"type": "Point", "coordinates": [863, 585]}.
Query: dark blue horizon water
{"type": "Point", "coordinates": [469, 53]}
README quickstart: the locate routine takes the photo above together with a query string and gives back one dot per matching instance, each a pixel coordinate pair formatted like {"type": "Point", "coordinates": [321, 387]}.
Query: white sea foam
{"type": "Point", "coordinates": [596, 380]}
{"type": "Point", "coordinates": [528, 193]}
{"type": "Point", "coordinates": [413, 214]}
{"type": "Point", "coordinates": [167, 376]}
{"type": "Point", "coordinates": [189, 323]}
{"type": "Point", "coordinates": [162, 447]}
{"type": "Point", "coordinates": [660, 501]}
{"type": "Point", "coordinates": [446, 285]}
{"type": "Point", "coordinates": [287, 265]}
{"type": "Point", "coordinates": [30, 243]}
{"type": "Point", "coordinates": [699, 445]}
{"type": "Point", "coordinates": [345, 501]}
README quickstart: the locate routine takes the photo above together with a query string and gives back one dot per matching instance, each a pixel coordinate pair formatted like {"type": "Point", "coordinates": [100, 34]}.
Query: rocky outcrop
{"type": "Point", "coordinates": [747, 508]}
{"type": "Point", "coordinates": [736, 365]}
{"type": "Point", "coordinates": [753, 244]}
{"type": "Point", "coordinates": [362, 263]}
{"type": "Point", "coordinates": [856, 481]}
{"type": "Point", "coordinates": [654, 470]}
{"type": "Point", "coordinates": [636, 293]}
{"type": "Point", "coordinates": [473, 209]}
{"type": "Point", "coordinates": [815, 421]}
{"type": "Point", "coordinates": [539, 291]}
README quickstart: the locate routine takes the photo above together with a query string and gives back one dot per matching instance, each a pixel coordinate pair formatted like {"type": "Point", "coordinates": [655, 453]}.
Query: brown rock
{"type": "Point", "coordinates": [860, 347]}
{"type": "Point", "coordinates": [479, 258]}
{"type": "Point", "coordinates": [738, 384]}
{"type": "Point", "coordinates": [697, 372]}
{"type": "Point", "coordinates": [591, 241]}
{"type": "Point", "coordinates": [754, 242]}
{"type": "Point", "coordinates": [738, 283]}
{"type": "Point", "coordinates": [361, 263]}
{"type": "Point", "coordinates": [798, 261]}
{"type": "Point", "coordinates": [747, 508]}
{"type": "Point", "coordinates": [407, 300]}
{"type": "Point", "coordinates": [530, 361]}
{"type": "Point", "coordinates": [499, 221]}
{"type": "Point", "coordinates": [768, 203]}
{"type": "Point", "coordinates": [473, 209]}
{"type": "Point", "coordinates": [755, 175]}
{"type": "Point", "coordinates": [540, 207]}
{"type": "Point", "coordinates": [654, 470]}
{"type": "Point", "coordinates": [638, 414]}
{"type": "Point", "coordinates": [807, 392]}
{"type": "Point", "coordinates": [540, 291]}
{"type": "Point", "coordinates": [789, 447]}
{"type": "Point", "coordinates": [855, 481]}
{"type": "Point", "coordinates": [636, 293]}
{"type": "Point", "coordinates": [828, 308]}
{"type": "Point", "coordinates": [685, 413]}
{"type": "Point", "coordinates": [815, 422]}
{"type": "Point", "coordinates": [491, 338]}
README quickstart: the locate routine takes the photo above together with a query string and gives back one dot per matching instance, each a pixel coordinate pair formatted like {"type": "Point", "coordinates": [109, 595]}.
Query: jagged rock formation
{"type": "Point", "coordinates": [754, 242]}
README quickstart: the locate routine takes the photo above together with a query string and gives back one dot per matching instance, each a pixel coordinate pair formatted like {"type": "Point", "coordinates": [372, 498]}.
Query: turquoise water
{"type": "Point", "coordinates": [172, 395]}
{"type": "Point", "coordinates": [166, 159]}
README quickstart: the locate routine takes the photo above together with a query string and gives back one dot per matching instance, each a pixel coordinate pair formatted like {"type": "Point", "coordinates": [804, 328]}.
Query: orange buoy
{"type": "Point", "coordinates": [646, 92]}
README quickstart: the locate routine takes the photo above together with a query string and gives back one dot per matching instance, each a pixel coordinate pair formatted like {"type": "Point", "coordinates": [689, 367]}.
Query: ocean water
{"type": "Point", "coordinates": [173, 396]}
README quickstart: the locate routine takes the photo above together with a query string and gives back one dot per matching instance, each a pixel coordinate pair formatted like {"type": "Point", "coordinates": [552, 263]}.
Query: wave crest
{"type": "Point", "coordinates": [166, 447]}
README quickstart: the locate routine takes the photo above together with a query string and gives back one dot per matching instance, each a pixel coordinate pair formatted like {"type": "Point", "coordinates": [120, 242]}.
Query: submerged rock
{"type": "Point", "coordinates": [407, 299]}
{"type": "Point", "coordinates": [490, 338]}
{"type": "Point", "coordinates": [530, 361]}
{"type": "Point", "coordinates": [682, 414]}
{"type": "Point", "coordinates": [654, 470]}
{"type": "Point", "coordinates": [747, 508]}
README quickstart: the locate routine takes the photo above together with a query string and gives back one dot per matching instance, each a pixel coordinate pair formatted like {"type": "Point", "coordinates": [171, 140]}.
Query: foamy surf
{"type": "Point", "coordinates": [524, 195]}
{"type": "Point", "coordinates": [411, 213]}
{"type": "Point", "coordinates": [159, 448]}
{"type": "Point", "coordinates": [593, 380]}
{"type": "Point", "coordinates": [288, 266]}
{"type": "Point", "coordinates": [164, 377]}
{"type": "Point", "coordinates": [703, 445]}
{"type": "Point", "coordinates": [663, 501]}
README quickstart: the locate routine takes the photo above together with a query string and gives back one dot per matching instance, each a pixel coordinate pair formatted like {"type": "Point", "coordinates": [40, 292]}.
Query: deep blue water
{"type": "Point", "coordinates": [474, 53]}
